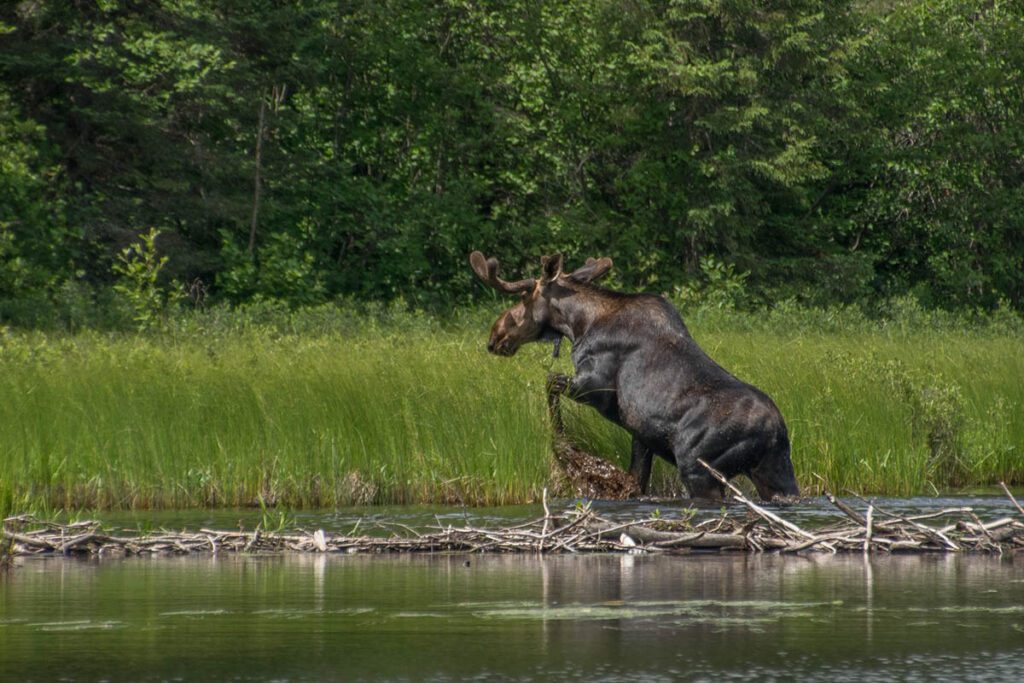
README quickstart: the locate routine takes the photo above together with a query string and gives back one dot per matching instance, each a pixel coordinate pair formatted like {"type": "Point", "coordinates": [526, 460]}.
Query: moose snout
{"type": "Point", "coordinates": [494, 343]}
{"type": "Point", "coordinates": [497, 348]}
{"type": "Point", "coordinates": [500, 345]}
{"type": "Point", "coordinates": [498, 336]}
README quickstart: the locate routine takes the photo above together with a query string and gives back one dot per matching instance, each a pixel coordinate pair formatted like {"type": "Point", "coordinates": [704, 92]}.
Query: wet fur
{"type": "Point", "coordinates": [637, 365]}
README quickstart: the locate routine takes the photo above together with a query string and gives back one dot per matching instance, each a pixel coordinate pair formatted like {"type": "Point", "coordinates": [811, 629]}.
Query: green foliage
{"type": "Point", "coordinates": [720, 287]}
{"type": "Point", "coordinates": [139, 266]}
{"type": "Point", "coordinates": [835, 153]}
{"type": "Point", "coordinates": [940, 186]}
{"type": "Point", "coordinates": [32, 233]}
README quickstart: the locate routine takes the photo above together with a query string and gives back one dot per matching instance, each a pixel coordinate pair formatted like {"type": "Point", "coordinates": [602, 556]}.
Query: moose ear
{"type": "Point", "coordinates": [551, 267]}
{"type": "Point", "coordinates": [594, 269]}
{"type": "Point", "coordinates": [479, 264]}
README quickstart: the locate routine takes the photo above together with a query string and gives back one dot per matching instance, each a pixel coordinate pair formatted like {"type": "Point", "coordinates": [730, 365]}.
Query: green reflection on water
{"type": "Point", "coordinates": [573, 617]}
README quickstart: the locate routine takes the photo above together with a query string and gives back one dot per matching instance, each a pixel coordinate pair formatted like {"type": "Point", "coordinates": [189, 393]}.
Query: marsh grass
{"type": "Point", "coordinates": [405, 410]}
{"type": "Point", "coordinates": [257, 419]}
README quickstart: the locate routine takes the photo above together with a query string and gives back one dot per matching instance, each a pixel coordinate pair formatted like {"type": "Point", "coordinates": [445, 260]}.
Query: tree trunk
{"type": "Point", "coordinates": [254, 221]}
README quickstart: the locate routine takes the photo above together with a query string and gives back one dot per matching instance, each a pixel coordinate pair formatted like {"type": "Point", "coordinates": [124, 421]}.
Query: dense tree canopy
{"type": "Point", "coordinates": [836, 151]}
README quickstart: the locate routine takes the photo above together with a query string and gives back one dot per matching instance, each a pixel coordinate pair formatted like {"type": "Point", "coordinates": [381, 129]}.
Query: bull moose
{"type": "Point", "coordinates": [638, 366]}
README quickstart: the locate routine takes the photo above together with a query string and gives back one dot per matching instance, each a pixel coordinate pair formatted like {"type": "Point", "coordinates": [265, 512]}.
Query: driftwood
{"type": "Point", "coordinates": [588, 476]}
{"type": "Point", "coordinates": [577, 530]}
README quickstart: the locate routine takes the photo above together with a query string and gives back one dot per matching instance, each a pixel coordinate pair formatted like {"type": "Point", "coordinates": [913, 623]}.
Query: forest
{"type": "Point", "coordinates": [234, 236]}
{"type": "Point", "coordinates": [815, 153]}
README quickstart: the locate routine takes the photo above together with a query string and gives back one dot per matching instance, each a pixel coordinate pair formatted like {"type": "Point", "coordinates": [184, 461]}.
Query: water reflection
{"type": "Point", "coordinates": [325, 617]}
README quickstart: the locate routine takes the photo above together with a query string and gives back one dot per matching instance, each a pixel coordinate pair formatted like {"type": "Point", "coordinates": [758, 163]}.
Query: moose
{"type": "Point", "coordinates": [637, 365]}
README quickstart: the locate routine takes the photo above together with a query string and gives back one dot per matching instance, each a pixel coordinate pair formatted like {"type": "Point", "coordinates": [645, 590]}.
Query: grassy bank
{"type": "Point", "coordinates": [339, 410]}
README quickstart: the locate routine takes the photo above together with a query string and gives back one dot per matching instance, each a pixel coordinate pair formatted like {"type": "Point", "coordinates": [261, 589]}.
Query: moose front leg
{"type": "Point", "coordinates": [583, 389]}
{"type": "Point", "coordinates": [557, 385]}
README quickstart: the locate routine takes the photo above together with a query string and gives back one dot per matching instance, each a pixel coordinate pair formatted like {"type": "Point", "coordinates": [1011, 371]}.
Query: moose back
{"type": "Point", "coordinates": [636, 363]}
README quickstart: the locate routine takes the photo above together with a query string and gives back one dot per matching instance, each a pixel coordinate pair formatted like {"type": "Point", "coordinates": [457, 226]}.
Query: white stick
{"type": "Point", "coordinates": [867, 536]}
{"type": "Point", "coordinates": [753, 506]}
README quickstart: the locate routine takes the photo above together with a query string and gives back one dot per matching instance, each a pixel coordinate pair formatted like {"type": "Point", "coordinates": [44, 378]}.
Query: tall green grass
{"type": "Point", "coordinates": [123, 423]}
{"type": "Point", "coordinates": [404, 410]}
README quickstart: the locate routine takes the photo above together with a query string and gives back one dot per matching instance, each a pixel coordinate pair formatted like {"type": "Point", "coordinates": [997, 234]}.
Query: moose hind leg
{"type": "Point", "coordinates": [698, 481]}
{"type": "Point", "coordinates": [702, 485]}
{"type": "Point", "coordinates": [735, 459]}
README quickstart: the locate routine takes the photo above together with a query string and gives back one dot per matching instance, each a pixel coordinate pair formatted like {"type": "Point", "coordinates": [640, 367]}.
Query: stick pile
{"type": "Point", "coordinates": [578, 530]}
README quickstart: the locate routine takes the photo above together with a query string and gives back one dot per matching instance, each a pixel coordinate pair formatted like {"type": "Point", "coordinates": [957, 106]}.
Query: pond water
{"type": "Point", "coordinates": [390, 519]}
{"type": "Point", "coordinates": [514, 617]}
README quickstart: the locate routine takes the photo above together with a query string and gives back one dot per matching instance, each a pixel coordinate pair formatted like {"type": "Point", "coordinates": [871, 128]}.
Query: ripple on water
{"type": "Point", "coordinates": [739, 612]}
{"type": "Point", "coordinates": [80, 625]}
{"type": "Point", "coordinates": [296, 613]}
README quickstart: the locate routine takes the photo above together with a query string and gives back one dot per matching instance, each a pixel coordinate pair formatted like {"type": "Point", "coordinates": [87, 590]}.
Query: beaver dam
{"type": "Point", "coordinates": [576, 530]}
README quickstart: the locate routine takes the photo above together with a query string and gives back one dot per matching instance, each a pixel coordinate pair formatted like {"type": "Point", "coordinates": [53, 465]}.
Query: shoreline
{"type": "Point", "coordinates": [576, 530]}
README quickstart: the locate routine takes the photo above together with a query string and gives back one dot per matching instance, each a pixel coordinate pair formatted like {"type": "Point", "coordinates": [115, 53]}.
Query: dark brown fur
{"type": "Point", "coordinates": [637, 365]}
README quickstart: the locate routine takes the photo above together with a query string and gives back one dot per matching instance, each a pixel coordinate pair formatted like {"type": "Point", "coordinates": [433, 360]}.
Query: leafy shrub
{"type": "Point", "coordinates": [139, 266]}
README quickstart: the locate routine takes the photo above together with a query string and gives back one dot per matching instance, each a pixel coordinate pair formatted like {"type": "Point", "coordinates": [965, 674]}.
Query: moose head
{"type": "Point", "coordinates": [535, 316]}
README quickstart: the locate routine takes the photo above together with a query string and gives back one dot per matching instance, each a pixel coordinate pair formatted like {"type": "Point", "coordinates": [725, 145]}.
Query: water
{"type": "Point", "coordinates": [391, 519]}
{"type": "Point", "coordinates": [594, 618]}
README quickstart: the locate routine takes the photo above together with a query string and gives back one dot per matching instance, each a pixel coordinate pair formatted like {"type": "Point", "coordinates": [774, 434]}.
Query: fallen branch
{"type": "Point", "coordinates": [770, 516]}
{"type": "Point", "coordinates": [1012, 499]}
{"type": "Point", "coordinates": [578, 530]}
{"type": "Point", "coordinates": [665, 539]}
{"type": "Point", "coordinates": [843, 507]}
{"type": "Point", "coordinates": [868, 528]}
{"type": "Point", "coordinates": [929, 531]}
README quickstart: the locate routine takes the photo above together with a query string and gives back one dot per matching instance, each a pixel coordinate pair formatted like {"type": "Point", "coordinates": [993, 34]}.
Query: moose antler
{"type": "Point", "coordinates": [487, 270]}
